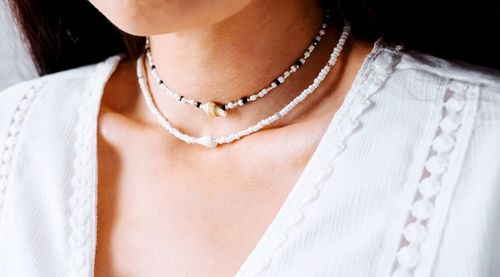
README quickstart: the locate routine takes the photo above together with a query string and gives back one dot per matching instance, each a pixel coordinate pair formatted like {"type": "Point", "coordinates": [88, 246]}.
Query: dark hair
{"type": "Point", "coordinates": [64, 34]}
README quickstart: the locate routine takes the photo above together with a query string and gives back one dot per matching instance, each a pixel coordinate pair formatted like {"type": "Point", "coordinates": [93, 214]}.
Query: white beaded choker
{"type": "Point", "coordinates": [213, 141]}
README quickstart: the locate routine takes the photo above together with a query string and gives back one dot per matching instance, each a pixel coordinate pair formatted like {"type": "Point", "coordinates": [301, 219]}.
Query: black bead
{"type": "Point", "coordinates": [244, 99]}
{"type": "Point", "coordinates": [198, 104]}
{"type": "Point", "coordinates": [298, 63]}
{"type": "Point", "coordinates": [153, 66]}
{"type": "Point", "coordinates": [161, 82]}
{"type": "Point", "coordinates": [180, 98]}
{"type": "Point", "coordinates": [223, 107]}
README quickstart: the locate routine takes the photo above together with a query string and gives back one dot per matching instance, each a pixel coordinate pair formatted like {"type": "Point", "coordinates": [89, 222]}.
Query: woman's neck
{"type": "Point", "coordinates": [238, 55]}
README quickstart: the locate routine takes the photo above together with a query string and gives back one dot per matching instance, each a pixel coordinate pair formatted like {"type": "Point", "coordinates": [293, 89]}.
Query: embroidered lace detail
{"type": "Point", "coordinates": [15, 126]}
{"type": "Point", "coordinates": [428, 188]}
{"type": "Point", "coordinates": [81, 227]}
{"type": "Point", "coordinates": [347, 124]}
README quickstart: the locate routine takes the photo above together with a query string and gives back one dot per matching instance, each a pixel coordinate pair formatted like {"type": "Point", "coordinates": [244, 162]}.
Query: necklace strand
{"type": "Point", "coordinates": [220, 110]}
{"type": "Point", "coordinates": [213, 141]}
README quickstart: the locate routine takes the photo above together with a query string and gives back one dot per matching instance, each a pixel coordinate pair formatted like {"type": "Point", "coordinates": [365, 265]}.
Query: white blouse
{"type": "Point", "coordinates": [404, 182]}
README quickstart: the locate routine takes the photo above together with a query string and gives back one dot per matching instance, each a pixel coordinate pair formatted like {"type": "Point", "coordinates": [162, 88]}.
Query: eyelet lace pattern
{"type": "Point", "coordinates": [416, 229]}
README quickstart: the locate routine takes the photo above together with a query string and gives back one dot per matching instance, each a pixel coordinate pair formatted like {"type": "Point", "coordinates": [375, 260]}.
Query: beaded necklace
{"type": "Point", "coordinates": [219, 110]}
{"type": "Point", "coordinates": [213, 141]}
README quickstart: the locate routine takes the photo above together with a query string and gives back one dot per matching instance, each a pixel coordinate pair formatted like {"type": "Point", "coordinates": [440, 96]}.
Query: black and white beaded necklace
{"type": "Point", "coordinates": [219, 110]}
{"type": "Point", "coordinates": [213, 141]}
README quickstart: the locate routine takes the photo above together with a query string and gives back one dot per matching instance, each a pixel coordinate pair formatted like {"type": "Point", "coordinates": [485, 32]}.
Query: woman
{"type": "Point", "coordinates": [252, 138]}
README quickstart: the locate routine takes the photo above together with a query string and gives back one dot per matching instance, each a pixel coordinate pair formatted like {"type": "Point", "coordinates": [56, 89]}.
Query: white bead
{"type": "Point", "coordinates": [321, 32]}
{"type": "Point", "coordinates": [307, 54]}
{"type": "Point", "coordinates": [450, 123]}
{"type": "Point", "coordinates": [244, 132]}
{"type": "Point", "coordinates": [408, 256]}
{"type": "Point", "coordinates": [240, 102]}
{"type": "Point", "coordinates": [422, 209]}
{"type": "Point", "coordinates": [455, 104]}
{"type": "Point", "coordinates": [273, 85]}
{"type": "Point", "coordinates": [415, 232]}
{"type": "Point", "coordinates": [287, 74]}
{"type": "Point", "coordinates": [443, 143]}
{"type": "Point", "coordinates": [253, 98]}
{"type": "Point", "coordinates": [436, 165]}
{"type": "Point", "coordinates": [281, 79]}
{"type": "Point", "coordinates": [429, 187]}
{"type": "Point", "coordinates": [311, 48]}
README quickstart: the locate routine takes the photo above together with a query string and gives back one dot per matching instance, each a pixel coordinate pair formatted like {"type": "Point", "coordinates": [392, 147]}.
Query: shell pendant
{"type": "Point", "coordinates": [213, 110]}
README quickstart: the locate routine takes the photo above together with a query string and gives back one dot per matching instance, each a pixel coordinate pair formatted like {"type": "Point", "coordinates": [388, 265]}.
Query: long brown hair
{"type": "Point", "coordinates": [64, 34]}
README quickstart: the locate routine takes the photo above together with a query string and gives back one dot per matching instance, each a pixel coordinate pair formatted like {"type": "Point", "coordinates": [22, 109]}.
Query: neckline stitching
{"type": "Point", "coordinates": [343, 122]}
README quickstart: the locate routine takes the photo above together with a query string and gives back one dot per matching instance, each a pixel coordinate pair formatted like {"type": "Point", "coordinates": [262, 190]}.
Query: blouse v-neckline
{"type": "Point", "coordinates": [373, 72]}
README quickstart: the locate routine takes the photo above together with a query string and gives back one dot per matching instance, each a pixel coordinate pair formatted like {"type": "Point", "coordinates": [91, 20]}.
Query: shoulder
{"type": "Point", "coordinates": [437, 69]}
{"type": "Point", "coordinates": [49, 100]}
{"type": "Point", "coordinates": [426, 78]}
{"type": "Point", "coordinates": [52, 83]}
{"type": "Point", "coordinates": [72, 81]}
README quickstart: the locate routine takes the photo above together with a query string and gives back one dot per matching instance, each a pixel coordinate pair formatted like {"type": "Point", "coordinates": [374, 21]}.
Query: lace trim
{"type": "Point", "coordinates": [15, 126]}
{"type": "Point", "coordinates": [347, 124]}
{"type": "Point", "coordinates": [80, 201]}
{"type": "Point", "coordinates": [416, 230]}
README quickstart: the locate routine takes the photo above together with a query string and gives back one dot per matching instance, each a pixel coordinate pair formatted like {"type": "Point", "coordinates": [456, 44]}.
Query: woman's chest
{"type": "Point", "coordinates": [169, 212]}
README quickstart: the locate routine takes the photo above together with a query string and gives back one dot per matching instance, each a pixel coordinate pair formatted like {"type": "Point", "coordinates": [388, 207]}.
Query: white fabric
{"type": "Point", "coordinates": [350, 212]}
